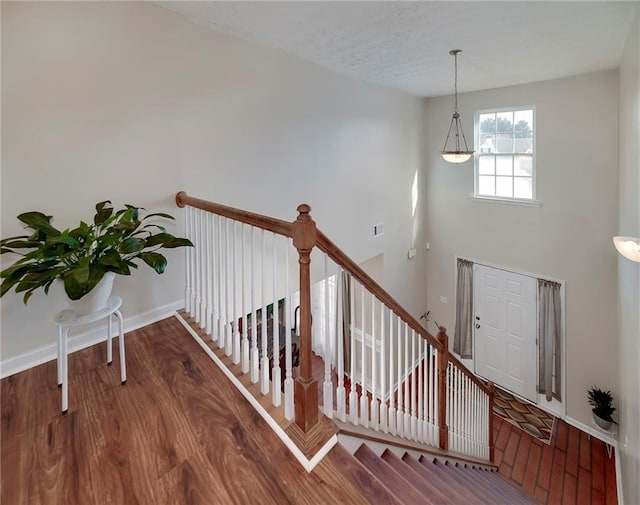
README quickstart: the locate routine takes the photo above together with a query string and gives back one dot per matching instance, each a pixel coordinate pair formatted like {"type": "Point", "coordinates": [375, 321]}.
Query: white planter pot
{"type": "Point", "coordinates": [605, 425]}
{"type": "Point", "coordinates": [96, 299]}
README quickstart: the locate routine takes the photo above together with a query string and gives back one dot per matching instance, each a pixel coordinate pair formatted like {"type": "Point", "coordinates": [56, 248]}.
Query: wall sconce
{"type": "Point", "coordinates": [629, 247]}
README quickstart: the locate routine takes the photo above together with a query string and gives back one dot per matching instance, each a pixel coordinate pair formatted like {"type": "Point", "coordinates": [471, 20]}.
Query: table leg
{"type": "Point", "coordinates": [109, 346]}
{"type": "Point", "coordinates": [65, 372]}
{"type": "Point", "coordinates": [123, 364]}
{"type": "Point", "coordinates": [59, 361]}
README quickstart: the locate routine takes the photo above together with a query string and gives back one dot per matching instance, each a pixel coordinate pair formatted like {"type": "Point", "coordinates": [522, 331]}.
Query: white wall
{"type": "Point", "coordinates": [568, 237]}
{"type": "Point", "coordinates": [131, 102]}
{"type": "Point", "coordinates": [629, 272]}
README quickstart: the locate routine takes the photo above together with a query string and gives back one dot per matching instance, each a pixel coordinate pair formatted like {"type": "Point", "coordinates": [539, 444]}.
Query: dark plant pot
{"type": "Point", "coordinates": [602, 423]}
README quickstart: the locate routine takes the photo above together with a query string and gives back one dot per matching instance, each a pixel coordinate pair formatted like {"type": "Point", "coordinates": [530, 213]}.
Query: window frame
{"type": "Point", "coordinates": [476, 158]}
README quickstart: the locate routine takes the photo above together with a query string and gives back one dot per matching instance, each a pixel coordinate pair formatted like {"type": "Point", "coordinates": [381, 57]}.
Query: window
{"type": "Point", "coordinates": [505, 154]}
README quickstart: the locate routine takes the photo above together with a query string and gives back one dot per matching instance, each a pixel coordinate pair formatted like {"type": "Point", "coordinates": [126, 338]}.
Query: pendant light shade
{"type": "Point", "coordinates": [453, 151]}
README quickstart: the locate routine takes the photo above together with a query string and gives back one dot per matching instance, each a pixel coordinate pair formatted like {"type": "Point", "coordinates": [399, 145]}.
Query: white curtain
{"type": "Point", "coordinates": [549, 339]}
{"type": "Point", "coordinates": [463, 336]}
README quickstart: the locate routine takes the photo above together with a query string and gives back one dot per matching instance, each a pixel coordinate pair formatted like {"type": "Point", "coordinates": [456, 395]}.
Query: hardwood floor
{"type": "Point", "coordinates": [177, 432]}
{"type": "Point", "coordinates": [573, 469]}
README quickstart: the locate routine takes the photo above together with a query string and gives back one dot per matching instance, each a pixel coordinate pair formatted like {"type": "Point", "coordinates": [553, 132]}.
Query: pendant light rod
{"type": "Point", "coordinates": [455, 53]}
{"type": "Point", "coordinates": [456, 155]}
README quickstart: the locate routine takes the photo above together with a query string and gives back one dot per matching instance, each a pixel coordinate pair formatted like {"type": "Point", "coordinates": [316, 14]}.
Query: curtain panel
{"type": "Point", "coordinates": [549, 339]}
{"type": "Point", "coordinates": [463, 336]}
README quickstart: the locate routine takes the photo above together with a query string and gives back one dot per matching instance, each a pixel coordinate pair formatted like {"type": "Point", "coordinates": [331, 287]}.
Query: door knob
{"type": "Point", "coordinates": [477, 326]}
{"type": "Point", "coordinates": [477, 318]}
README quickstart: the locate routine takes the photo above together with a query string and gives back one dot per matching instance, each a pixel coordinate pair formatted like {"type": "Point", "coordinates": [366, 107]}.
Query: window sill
{"type": "Point", "coordinates": [507, 201]}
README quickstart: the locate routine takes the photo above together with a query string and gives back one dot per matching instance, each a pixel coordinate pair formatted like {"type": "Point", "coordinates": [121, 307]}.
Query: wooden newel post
{"type": "Point", "coordinates": [443, 363]}
{"type": "Point", "coordinates": [492, 397]}
{"type": "Point", "coordinates": [306, 388]}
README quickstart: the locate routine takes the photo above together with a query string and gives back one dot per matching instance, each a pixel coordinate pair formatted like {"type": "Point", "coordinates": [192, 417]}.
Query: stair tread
{"type": "Point", "coordinates": [444, 482]}
{"type": "Point", "coordinates": [493, 484]}
{"type": "Point", "coordinates": [400, 487]}
{"type": "Point", "coordinates": [434, 490]}
{"type": "Point", "coordinates": [370, 487]}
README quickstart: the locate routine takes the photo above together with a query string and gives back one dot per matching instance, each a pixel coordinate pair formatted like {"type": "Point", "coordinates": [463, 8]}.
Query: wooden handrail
{"type": "Point", "coordinates": [273, 224]}
{"type": "Point", "coordinates": [341, 259]}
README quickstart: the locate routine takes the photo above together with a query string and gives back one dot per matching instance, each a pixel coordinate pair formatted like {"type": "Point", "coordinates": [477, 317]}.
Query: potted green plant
{"type": "Point", "coordinates": [85, 258]}
{"type": "Point", "coordinates": [602, 410]}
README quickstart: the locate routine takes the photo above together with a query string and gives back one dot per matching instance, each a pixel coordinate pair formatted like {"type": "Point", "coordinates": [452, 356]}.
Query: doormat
{"type": "Point", "coordinates": [524, 415]}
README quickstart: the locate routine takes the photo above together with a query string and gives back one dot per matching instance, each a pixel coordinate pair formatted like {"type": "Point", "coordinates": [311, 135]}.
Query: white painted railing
{"type": "Point", "coordinates": [381, 369]}
{"type": "Point", "coordinates": [467, 415]}
{"type": "Point", "coordinates": [238, 285]}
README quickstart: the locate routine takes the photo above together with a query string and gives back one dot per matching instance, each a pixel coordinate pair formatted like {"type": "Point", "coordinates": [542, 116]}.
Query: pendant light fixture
{"type": "Point", "coordinates": [454, 153]}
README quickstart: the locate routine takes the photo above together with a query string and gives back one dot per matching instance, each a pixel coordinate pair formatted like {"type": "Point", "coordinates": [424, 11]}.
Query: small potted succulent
{"type": "Point", "coordinates": [602, 410]}
{"type": "Point", "coordinates": [86, 258]}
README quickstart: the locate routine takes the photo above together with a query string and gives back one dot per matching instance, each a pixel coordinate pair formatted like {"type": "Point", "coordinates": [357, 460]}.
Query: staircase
{"type": "Point", "coordinates": [381, 370]}
{"type": "Point", "coordinates": [428, 481]}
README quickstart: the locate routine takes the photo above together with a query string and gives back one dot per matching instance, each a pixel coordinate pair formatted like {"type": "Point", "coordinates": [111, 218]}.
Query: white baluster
{"type": "Point", "coordinates": [364, 400]}
{"type": "Point", "coordinates": [399, 360]}
{"type": "Point", "coordinates": [470, 426]}
{"type": "Point", "coordinates": [393, 392]}
{"type": "Point", "coordinates": [459, 392]}
{"type": "Point", "coordinates": [255, 355]}
{"type": "Point", "coordinates": [472, 416]}
{"type": "Point", "coordinates": [222, 226]}
{"type": "Point", "coordinates": [375, 406]}
{"type": "Point", "coordinates": [198, 265]}
{"type": "Point", "coordinates": [407, 402]}
{"type": "Point", "coordinates": [340, 391]}
{"type": "Point", "coordinates": [203, 271]}
{"type": "Point", "coordinates": [208, 273]}
{"type": "Point", "coordinates": [384, 425]}
{"type": "Point", "coordinates": [228, 342]}
{"type": "Point", "coordinates": [264, 362]}
{"type": "Point", "coordinates": [414, 414]}
{"type": "Point", "coordinates": [276, 382]}
{"type": "Point", "coordinates": [479, 437]}
{"type": "Point", "coordinates": [217, 329]}
{"type": "Point", "coordinates": [436, 397]}
{"type": "Point", "coordinates": [236, 293]}
{"type": "Point", "coordinates": [449, 412]}
{"type": "Point", "coordinates": [327, 392]}
{"type": "Point", "coordinates": [202, 306]}
{"type": "Point", "coordinates": [421, 386]}
{"type": "Point", "coordinates": [454, 401]}
{"type": "Point", "coordinates": [427, 393]}
{"type": "Point", "coordinates": [288, 382]}
{"type": "Point", "coordinates": [245, 309]}
{"type": "Point", "coordinates": [353, 395]}
{"type": "Point", "coordinates": [188, 253]}
{"type": "Point", "coordinates": [463, 412]}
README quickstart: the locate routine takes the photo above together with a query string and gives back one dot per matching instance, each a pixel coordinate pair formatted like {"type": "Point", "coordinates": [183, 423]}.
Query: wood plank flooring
{"type": "Point", "coordinates": [573, 469]}
{"type": "Point", "coordinates": [177, 433]}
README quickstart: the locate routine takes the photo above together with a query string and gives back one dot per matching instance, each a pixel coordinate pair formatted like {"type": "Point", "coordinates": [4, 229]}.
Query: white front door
{"type": "Point", "coordinates": [505, 306]}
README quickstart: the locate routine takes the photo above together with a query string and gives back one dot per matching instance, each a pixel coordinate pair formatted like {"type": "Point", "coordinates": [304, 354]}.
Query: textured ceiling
{"type": "Point", "coordinates": [405, 45]}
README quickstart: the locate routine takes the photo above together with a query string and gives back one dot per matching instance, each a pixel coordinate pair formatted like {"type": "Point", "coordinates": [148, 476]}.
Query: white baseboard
{"type": "Point", "coordinates": [48, 352]}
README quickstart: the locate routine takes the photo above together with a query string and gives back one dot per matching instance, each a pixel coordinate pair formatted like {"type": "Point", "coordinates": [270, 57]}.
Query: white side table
{"type": "Point", "coordinates": [68, 319]}
{"type": "Point", "coordinates": [609, 437]}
